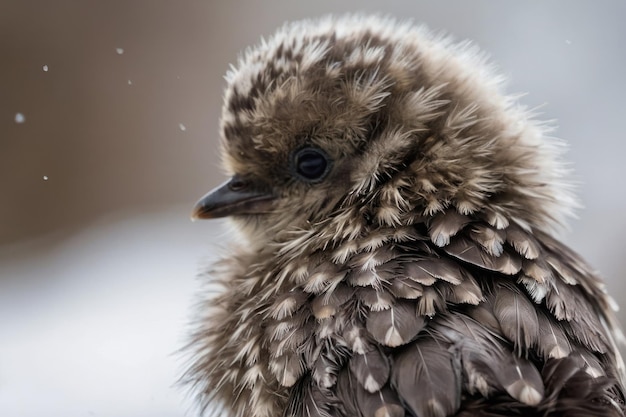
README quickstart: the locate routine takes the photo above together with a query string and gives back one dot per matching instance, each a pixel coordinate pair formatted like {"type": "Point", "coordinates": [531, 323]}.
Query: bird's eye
{"type": "Point", "coordinates": [310, 164]}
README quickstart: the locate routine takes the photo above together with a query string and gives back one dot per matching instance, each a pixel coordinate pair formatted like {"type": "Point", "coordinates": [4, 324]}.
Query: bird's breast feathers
{"type": "Point", "coordinates": [430, 321]}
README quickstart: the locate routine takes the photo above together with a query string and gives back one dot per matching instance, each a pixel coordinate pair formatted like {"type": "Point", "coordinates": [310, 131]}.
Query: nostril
{"type": "Point", "coordinates": [237, 184]}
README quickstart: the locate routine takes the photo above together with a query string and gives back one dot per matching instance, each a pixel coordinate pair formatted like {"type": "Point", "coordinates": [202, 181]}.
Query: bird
{"type": "Point", "coordinates": [394, 250]}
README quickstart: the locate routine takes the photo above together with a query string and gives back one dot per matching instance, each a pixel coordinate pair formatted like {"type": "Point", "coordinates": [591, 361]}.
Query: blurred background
{"type": "Point", "coordinates": [108, 132]}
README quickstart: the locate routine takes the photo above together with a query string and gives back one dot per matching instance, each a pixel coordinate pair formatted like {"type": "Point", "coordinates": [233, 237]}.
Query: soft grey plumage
{"type": "Point", "coordinates": [395, 254]}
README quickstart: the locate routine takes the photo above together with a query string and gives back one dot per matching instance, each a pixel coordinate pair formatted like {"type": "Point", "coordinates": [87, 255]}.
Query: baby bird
{"type": "Point", "coordinates": [395, 254]}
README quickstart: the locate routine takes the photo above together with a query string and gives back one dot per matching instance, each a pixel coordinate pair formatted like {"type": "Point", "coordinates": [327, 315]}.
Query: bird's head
{"type": "Point", "coordinates": [339, 127]}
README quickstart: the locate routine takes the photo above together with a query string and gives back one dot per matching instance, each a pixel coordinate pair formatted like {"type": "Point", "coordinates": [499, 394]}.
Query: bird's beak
{"type": "Point", "coordinates": [236, 196]}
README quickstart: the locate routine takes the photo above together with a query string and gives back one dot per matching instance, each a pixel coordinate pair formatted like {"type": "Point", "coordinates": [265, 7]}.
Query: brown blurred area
{"type": "Point", "coordinates": [105, 128]}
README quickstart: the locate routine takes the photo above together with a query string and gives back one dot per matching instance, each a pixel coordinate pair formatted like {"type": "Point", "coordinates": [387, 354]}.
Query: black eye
{"type": "Point", "coordinates": [311, 164]}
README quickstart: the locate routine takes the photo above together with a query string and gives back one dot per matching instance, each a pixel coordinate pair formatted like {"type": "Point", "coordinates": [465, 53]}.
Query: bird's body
{"type": "Point", "coordinates": [395, 255]}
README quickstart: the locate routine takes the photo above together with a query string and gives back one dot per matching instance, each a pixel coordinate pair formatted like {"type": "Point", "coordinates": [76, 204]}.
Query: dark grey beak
{"type": "Point", "coordinates": [236, 196]}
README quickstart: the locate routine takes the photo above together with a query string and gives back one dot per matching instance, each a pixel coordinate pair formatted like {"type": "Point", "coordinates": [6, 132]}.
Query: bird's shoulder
{"type": "Point", "coordinates": [451, 316]}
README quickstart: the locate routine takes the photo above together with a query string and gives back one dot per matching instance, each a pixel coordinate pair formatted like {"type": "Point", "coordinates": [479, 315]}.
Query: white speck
{"type": "Point", "coordinates": [119, 51]}
{"type": "Point", "coordinates": [19, 118]}
{"type": "Point", "coordinates": [45, 178]}
{"type": "Point", "coordinates": [567, 41]}
{"type": "Point", "coordinates": [178, 77]}
{"type": "Point", "coordinates": [45, 68]}
{"type": "Point", "coordinates": [130, 82]}
{"type": "Point", "coordinates": [182, 127]}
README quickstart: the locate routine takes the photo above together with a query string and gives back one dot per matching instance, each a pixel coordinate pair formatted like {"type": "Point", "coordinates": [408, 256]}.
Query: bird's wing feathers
{"type": "Point", "coordinates": [484, 312]}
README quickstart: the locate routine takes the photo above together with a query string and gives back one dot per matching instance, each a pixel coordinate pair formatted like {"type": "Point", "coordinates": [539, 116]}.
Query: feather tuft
{"type": "Point", "coordinates": [517, 316]}
{"type": "Point", "coordinates": [396, 326]}
{"type": "Point", "coordinates": [426, 379]}
{"type": "Point", "coordinates": [445, 225]}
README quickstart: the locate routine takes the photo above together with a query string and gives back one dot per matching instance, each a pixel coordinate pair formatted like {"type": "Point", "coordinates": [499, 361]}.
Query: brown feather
{"type": "Point", "coordinates": [517, 316]}
{"type": "Point", "coordinates": [489, 238]}
{"type": "Point", "coordinates": [375, 299]}
{"type": "Point", "coordinates": [467, 292]}
{"type": "Point", "coordinates": [483, 313]}
{"type": "Point", "coordinates": [552, 341]}
{"type": "Point", "coordinates": [443, 226]}
{"type": "Point", "coordinates": [480, 350]}
{"type": "Point", "coordinates": [522, 242]}
{"type": "Point", "coordinates": [326, 305]}
{"type": "Point", "coordinates": [426, 379]}
{"type": "Point", "coordinates": [307, 400]}
{"type": "Point", "coordinates": [395, 326]}
{"type": "Point", "coordinates": [466, 250]}
{"type": "Point", "coordinates": [573, 392]}
{"type": "Point", "coordinates": [359, 402]}
{"type": "Point", "coordinates": [535, 290]}
{"type": "Point", "coordinates": [384, 403]}
{"type": "Point", "coordinates": [403, 287]}
{"type": "Point", "coordinates": [428, 271]}
{"type": "Point", "coordinates": [537, 269]}
{"type": "Point", "coordinates": [370, 369]}
{"type": "Point", "coordinates": [431, 302]}
{"type": "Point", "coordinates": [522, 380]}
